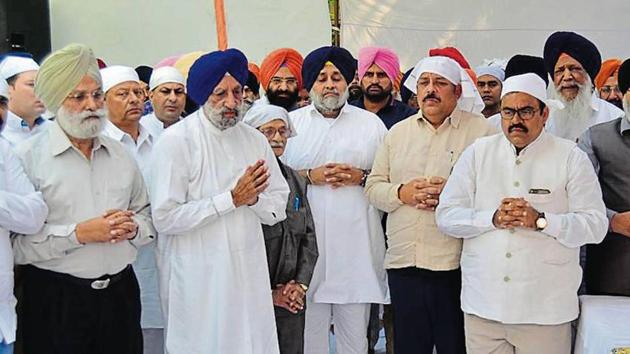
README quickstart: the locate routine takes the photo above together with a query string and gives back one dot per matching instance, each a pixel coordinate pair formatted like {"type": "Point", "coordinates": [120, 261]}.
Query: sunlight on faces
{"type": "Point", "coordinates": [168, 100]}
{"type": "Point", "coordinates": [83, 118]}
{"type": "Point", "coordinates": [521, 132]}
{"type": "Point", "coordinates": [437, 96]}
{"type": "Point", "coordinates": [224, 107]}
{"type": "Point", "coordinates": [277, 133]}
{"type": "Point", "coordinates": [376, 85]}
{"type": "Point", "coordinates": [22, 96]}
{"type": "Point", "coordinates": [569, 77]}
{"type": "Point", "coordinates": [125, 102]}
{"type": "Point", "coordinates": [330, 90]}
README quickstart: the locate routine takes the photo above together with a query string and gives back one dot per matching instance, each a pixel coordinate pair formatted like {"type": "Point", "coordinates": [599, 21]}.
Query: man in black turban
{"type": "Point", "coordinates": [573, 62]}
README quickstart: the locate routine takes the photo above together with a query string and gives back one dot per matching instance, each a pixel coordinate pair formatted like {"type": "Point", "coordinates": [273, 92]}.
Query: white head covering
{"type": "Point", "coordinates": [116, 74]}
{"type": "Point", "coordinates": [532, 85]}
{"type": "Point", "coordinates": [4, 88]}
{"type": "Point", "coordinates": [264, 113]}
{"type": "Point", "coordinates": [470, 100]}
{"type": "Point", "coordinates": [492, 70]}
{"type": "Point", "coordinates": [166, 74]}
{"type": "Point", "coordinates": [13, 65]}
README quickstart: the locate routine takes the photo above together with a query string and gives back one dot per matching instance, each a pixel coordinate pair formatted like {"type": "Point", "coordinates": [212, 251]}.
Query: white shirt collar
{"type": "Point", "coordinates": [116, 133]}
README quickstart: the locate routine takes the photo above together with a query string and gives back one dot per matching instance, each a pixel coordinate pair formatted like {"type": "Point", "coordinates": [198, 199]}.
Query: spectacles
{"type": "Point", "coordinates": [607, 90]}
{"type": "Point", "coordinates": [81, 97]}
{"type": "Point", "coordinates": [288, 80]}
{"type": "Point", "coordinates": [526, 113]}
{"type": "Point", "coordinates": [271, 132]}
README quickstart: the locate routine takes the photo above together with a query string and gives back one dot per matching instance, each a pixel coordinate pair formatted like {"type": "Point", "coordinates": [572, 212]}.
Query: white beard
{"type": "Point", "coordinates": [329, 104]}
{"type": "Point", "coordinates": [78, 126]}
{"type": "Point", "coordinates": [571, 121]}
{"type": "Point", "coordinates": [215, 116]}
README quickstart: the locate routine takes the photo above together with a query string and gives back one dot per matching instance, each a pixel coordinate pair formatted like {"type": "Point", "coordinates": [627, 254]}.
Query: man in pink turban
{"type": "Point", "coordinates": [378, 69]}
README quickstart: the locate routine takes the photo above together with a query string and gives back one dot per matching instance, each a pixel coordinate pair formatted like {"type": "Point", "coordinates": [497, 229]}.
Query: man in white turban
{"type": "Point", "coordinates": [167, 92]}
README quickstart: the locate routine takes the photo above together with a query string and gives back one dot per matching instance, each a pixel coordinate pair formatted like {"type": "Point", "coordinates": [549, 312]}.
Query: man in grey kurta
{"type": "Point", "coordinates": [291, 245]}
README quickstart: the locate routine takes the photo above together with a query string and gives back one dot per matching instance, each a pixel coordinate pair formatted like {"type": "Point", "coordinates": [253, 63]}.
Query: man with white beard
{"type": "Point", "coordinates": [80, 293]}
{"type": "Point", "coordinates": [573, 61]}
{"type": "Point", "coordinates": [334, 148]}
{"type": "Point", "coordinates": [214, 181]}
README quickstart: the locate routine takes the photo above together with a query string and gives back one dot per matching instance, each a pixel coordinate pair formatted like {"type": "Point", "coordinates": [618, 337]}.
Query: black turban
{"type": "Point", "coordinates": [252, 82]}
{"type": "Point", "coordinates": [144, 73]}
{"type": "Point", "coordinates": [577, 47]}
{"type": "Point", "coordinates": [623, 78]}
{"type": "Point", "coordinates": [523, 64]}
{"type": "Point", "coordinates": [207, 71]}
{"type": "Point", "coordinates": [315, 61]}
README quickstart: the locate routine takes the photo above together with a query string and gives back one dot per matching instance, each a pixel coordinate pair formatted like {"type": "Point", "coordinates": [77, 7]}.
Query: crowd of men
{"type": "Point", "coordinates": [223, 207]}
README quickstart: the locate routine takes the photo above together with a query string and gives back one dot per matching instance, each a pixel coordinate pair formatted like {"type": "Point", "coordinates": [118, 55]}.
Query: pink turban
{"type": "Point", "coordinates": [385, 58]}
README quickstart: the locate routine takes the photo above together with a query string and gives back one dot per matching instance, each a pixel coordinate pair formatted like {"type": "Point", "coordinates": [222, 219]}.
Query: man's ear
{"type": "Point", "coordinates": [545, 114]}
{"type": "Point", "coordinates": [458, 90]}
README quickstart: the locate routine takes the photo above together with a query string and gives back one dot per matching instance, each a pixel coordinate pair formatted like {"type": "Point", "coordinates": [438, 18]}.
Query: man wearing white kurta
{"type": "Point", "coordinates": [573, 61]}
{"type": "Point", "coordinates": [22, 210]}
{"type": "Point", "coordinates": [167, 92]}
{"type": "Point", "coordinates": [124, 99]}
{"type": "Point", "coordinates": [214, 181]}
{"type": "Point", "coordinates": [524, 202]}
{"type": "Point", "coordinates": [25, 109]}
{"type": "Point", "coordinates": [334, 147]}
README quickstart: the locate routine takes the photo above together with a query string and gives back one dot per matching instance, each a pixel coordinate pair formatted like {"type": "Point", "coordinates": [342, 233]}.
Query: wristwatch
{"type": "Point", "coordinates": [366, 173]}
{"type": "Point", "coordinates": [304, 287]}
{"type": "Point", "coordinates": [541, 222]}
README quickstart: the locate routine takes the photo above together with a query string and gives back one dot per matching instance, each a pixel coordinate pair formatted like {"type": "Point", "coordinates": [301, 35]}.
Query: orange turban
{"type": "Point", "coordinates": [608, 69]}
{"type": "Point", "coordinates": [254, 69]}
{"type": "Point", "coordinates": [276, 59]}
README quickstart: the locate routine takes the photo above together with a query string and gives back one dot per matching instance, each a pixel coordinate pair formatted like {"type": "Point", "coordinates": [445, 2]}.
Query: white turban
{"type": "Point", "coordinates": [62, 71]}
{"type": "Point", "coordinates": [492, 70]}
{"type": "Point", "coordinates": [262, 114]}
{"type": "Point", "coordinates": [13, 65]}
{"type": "Point", "coordinates": [117, 74]}
{"type": "Point", "coordinates": [469, 101]}
{"type": "Point", "coordinates": [165, 75]}
{"type": "Point", "coordinates": [532, 85]}
{"type": "Point", "coordinates": [4, 88]}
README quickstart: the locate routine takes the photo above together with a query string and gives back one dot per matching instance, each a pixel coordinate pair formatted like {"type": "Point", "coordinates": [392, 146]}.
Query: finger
{"type": "Point", "coordinates": [109, 212]}
{"type": "Point", "coordinates": [337, 185]}
{"type": "Point", "coordinates": [119, 220]}
{"type": "Point", "coordinates": [431, 202]}
{"type": "Point", "coordinates": [261, 179]}
{"type": "Point", "coordinates": [128, 226]}
{"type": "Point", "coordinates": [436, 180]}
{"type": "Point", "coordinates": [261, 188]}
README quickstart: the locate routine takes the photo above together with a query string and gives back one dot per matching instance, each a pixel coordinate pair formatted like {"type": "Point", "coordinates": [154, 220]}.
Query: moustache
{"type": "Point", "coordinates": [375, 86]}
{"type": "Point", "coordinates": [431, 96]}
{"type": "Point", "coordinates": [517, 126]}
{"type": "Point", "coordinates": [277, 145]}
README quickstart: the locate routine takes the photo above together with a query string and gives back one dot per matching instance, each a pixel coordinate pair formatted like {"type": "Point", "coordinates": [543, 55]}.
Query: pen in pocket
{"type": "Point", "coordinates": [296, 203]}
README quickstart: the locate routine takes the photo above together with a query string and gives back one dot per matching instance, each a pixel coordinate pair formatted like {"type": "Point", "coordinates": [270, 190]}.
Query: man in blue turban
{"type": "Point", "coordinates": [214, 181]}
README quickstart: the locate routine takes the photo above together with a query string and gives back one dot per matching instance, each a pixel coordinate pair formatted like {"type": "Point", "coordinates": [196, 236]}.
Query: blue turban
{"type": "Point", "coordinates": [577, 47]}
{"type": "Point", "coordinates": [207, 71]}
{"type": "Point", "coordinates": [315, 61]}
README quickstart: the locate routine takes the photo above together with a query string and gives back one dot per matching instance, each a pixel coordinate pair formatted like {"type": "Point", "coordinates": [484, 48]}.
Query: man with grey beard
{"type": "Point", "coordinates": [334, 149]}
{"type": "Point", "coordinates": [80, 292]}
{"type": "Point", "coordinates": [214, 181]}
{"type": "Point", "coordinates": [573, 61]}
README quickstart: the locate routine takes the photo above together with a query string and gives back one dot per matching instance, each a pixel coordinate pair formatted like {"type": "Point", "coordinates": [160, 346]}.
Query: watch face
{"type": "Point", "coordinates": [541, 223]}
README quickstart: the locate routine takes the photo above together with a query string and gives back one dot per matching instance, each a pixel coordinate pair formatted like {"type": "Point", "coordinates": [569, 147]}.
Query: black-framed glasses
{"type": "Point", "coordinates": [525, 113]}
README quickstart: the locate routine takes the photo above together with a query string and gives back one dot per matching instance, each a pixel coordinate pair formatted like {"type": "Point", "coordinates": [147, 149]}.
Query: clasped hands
{"type": "Point", "coordinates": [336, 175]}
{"type": "Point", "coordinates": [513, 213]}
{"type": "Point", "coordinates": [289, 296]}
{"type": "Point", "coordinates": [422, 193]}
{"type": "Point", "coordinates": [113, 226]}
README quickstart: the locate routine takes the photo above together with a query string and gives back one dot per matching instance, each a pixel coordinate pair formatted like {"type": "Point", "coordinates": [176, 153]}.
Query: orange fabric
{"type": "Point", "coordinates": [450, 52]}
{"type": "Point", "coordinates": [473, 75]}
{"type": "Point", "coordinates": [608, 69]}
{"type": "Point", "coordinates": [272, 63]}
{"type": "Point", "coordinates": [219, 13]}
{"type": "Point", "coordinates": [254, 69]}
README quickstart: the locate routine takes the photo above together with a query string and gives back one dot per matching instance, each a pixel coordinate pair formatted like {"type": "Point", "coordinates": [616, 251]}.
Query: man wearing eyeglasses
{"type": "Point", "coordinates": [80, 293]}
{"type": "Point", "coordinates": [291, 245]}
{"type": "Point", "coordinates": [573, 61]}
{"type": "Point", "coordinates": [124, 101]}
{"type": "Point", "coordinates": [606, 82]}
{"type": "Point", "coordinates": [523, 202]}
{"type": "Point", "coordinates": [281, 78]}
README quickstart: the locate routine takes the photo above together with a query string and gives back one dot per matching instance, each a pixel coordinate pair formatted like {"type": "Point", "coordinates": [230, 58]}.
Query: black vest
{"type": "Point", "coordinates": [608, 263]}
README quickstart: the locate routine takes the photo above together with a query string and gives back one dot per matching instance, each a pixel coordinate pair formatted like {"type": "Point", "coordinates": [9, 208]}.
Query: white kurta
{"type": "Point", "coordinates": [153, 124]}
{"type": "Point", "coordinates": [21, 210]}
{"type": "Point", "coordinates": [350, 237]}
{"type": "Point", "coordinates": [145, 265]}
{"type": "Point", "coordinates": [522, 276]}
{"type": "Point", "coordinates": [571, 129]}
{"type": "Point", "coordinates": [15, 130]}
{"type": "Point", "coordinates": [214, 281]}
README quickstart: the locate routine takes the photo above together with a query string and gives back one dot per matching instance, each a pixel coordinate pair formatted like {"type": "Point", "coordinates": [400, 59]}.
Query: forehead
{"type": "Point", "coordinates": [487, 78]}
{"type": "Point", "coordinates": [127, 85]}
{"type": "Point", "coordinates": [87, 83]}
{"type": "Point", "coordinates": [566, 60]}
{"type": "Point", "coordinates": [434, 76]}
{"type": "Point", "coordinates": [276, 123]}
{"type": "Point", "coordinates": [519, 100]}
{"type": "Point", "coordinates": [284, 72]}
{"type": "Point", "coordinates": [26, 75]}
{"type": "Point", "coordinates": [228, 82]}
{"type": "Point", "coordinates": [611, 80]}
{"type": "Point", "coordinates": [170, 86]}
{"type": "Point", "coordinates": [329, 69]}
{"type": "Point", "coordinates": [375, 69]}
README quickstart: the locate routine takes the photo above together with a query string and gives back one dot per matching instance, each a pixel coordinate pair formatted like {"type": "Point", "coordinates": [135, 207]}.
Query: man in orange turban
{"type": "Point", "coordinates": [606, 82]}
{"type": "Point", "coordinates": [281, 78]}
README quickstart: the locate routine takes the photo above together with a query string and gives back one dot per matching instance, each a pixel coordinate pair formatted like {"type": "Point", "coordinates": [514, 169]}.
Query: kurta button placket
{"type": "Point", "coordinates": [506, 279]}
